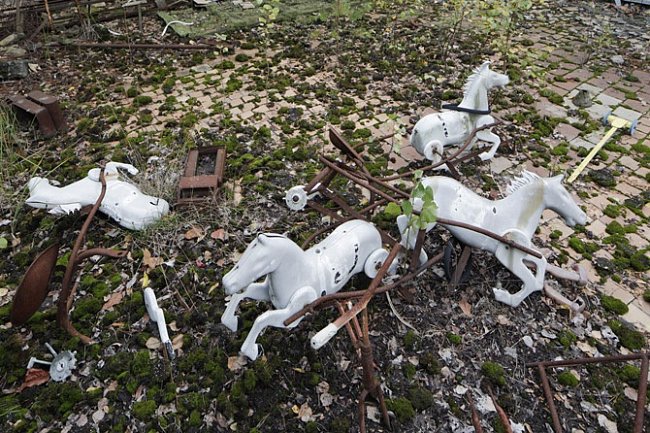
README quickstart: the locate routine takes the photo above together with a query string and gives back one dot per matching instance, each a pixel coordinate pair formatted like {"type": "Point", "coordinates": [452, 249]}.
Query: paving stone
{"type": "Point", "coordinates": [579, 142]}
{"type": "Point", "coordinates": [598, 111]}
{"type": "Point", "coordinates": [620, 292]}
{"type": "Point", "coordinates": [642, 128]}
{"type": "Point", "coordinates": [629, 162]}
{"type": "Point", "coordinates": [499, 164]}
{"type": "Point", "coordinates": [638, 317]}
{"type": "Point", "coordinates": [606, 99]}
{"type": "Point", "coordinates": [628, 189]}
{"type": "Point", "coordinates": [579, 75]}
{"type": "Point", "coordinates": [546, 108]}
{"type": "Point", "coordinates": [567, 131]}
{"type": "Point", "coordinates": [636, 105]}
{"type": "Point", "coordinates": [637, 241]}
{"type": "Point", "coordinates": [597, 228]}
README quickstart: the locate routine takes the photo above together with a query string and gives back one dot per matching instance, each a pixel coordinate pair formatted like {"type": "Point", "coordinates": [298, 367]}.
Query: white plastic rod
{"type": "Point", "coordinates": [157, 315]}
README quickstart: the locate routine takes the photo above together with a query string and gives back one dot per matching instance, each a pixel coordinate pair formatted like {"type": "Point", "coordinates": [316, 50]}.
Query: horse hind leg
{"type": "Point", "coordinates": [375, 261]}
{"type": "Point", "coordinates": [512, 259]}
{"type": "Point", "coordinates": [276, 318]}
{"type": "Point", "coordinates": [489, 137]}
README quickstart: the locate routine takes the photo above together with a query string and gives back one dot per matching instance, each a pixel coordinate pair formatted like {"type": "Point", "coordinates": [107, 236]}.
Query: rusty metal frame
{"type": "Point", "coordinates": [641, 392]}
{"type": "Point", "coordinates": [192, 187]}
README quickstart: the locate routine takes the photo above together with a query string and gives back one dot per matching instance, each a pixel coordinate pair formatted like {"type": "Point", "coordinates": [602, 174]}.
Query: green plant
{"type": "Point", "coordinates": [494, 373]}
{"type": "Point", "coordinates": [567, 378]}
{"type": "Point", "coordinates": [613, 305]}
{"type": "Point", "coordinates": [421, 195]}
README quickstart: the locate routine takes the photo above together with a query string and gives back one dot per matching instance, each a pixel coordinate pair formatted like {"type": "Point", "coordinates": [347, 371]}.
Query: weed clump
{"type": "Point", "coordinates": [567, 378]}
{"type": "Point", "coordinates": [144, 410]}
{"type": "Point", "coordinates": [402, 408]}
{"type": "Point", "coordinates": [567, 338]}
{"type": "Point", "coordinates": [494, 373]}
{"type": "Point", "coordinates": [613, 305]}
{"type": "Point", "coordinates": [630, 338]}
{"type": "Point", "coordinates": [454, 339]}
{"type": "Point", "coordinates": [420, 398]}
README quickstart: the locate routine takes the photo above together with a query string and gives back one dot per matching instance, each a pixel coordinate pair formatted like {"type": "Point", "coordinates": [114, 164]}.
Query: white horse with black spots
{"type": "Point", "coordinates": [436, 130]}
{"type": "Point", "coordinates": [294, 278]}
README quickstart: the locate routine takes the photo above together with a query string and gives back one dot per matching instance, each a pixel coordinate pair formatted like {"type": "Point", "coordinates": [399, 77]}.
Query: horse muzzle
{"type": "Point", "coordinates": [230, 285]}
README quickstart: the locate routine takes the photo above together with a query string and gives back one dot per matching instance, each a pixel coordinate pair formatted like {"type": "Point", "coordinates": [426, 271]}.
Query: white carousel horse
{"type": "Point", "coordinates": [516, 217]}
{"type": "Point", "coordinates": [295, 278]}
{"type": "Point", "coordinates": [123, 201]}
{"type": "Point", "coordinates": [434, 131]}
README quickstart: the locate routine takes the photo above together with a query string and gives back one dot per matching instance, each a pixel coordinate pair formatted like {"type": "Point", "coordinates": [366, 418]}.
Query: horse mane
{"type": "Point", "coordinates": [473, 77]}
{"type": "Point", "coordinates": [525, 178]}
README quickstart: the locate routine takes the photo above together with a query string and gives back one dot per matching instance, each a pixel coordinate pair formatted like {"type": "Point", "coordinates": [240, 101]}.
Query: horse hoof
{"type": "Point", "coordinates": [252, 353]}
{"type": "Point", "coordinates": [503, 296]}
{"type": "Point", "coordinates": [230, 323]}
{"type": "Point", "coordinates": [485, 156]}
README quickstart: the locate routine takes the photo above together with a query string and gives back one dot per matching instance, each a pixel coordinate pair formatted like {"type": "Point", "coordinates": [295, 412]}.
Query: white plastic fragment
{"type": "Point", "coordinates": [157, 315]}
{"type": "Point", "coordinates": [123, 201]}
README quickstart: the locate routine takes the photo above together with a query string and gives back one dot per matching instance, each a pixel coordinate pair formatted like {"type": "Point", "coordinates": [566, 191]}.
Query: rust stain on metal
{"type": "Point", "coordinates": [195, 186]}
{"type": "Point", "coordinates": [641, 392]}
{"type": "Point", "coordinates": [34, 288]}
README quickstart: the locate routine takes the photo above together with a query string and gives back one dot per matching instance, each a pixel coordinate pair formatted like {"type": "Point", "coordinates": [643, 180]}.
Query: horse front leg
{"type": "Point", "coordinates": [303, 296]}
{"type": "Point", "coordinates": [257, 291]}
{"type": "Point", "coordinates": [488, 136]}
{"type": "Point", "coordinates": [513, 259]}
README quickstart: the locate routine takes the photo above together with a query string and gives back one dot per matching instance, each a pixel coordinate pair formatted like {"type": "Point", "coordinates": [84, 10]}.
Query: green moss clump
{"type": "Point", "coordinates": [430, 363]}
{"type": "Point", "coordinates": [630, 374]}
{"type": "Point", "coordinates": [141, 100]}
{"type": "Point", "coordinates": [640, 262]}
{"type": "Point", "coordinates": [402, 408]}
{"type": "Point", "coordinates": [143, 410]}
{"type": "Point", "coordinates": [646, 295]}
{"type": "Point", "coordinates": [241, 57]}
{"type": "Point", "coordinates": [340, 425]}
{"type": "Point", "coordinates": [132, 92]}
{"type": "Point", "coordinates": [233, 84]}
{"type": "Point", "coordinates": [311, 427]}
{"type": "Point", "coordinates": [613, 305]}
{"type": "Point", "coordinates": [615, 228]}
{"type": "Point", "coordinates": [629, 338]}
{"type": "Point", "coordinates": [227, 64]}
{"type": "Point", "coordinates": [577, 245]}
{"type": "Point", "coordinates": [454, 339]}
{"type": "Point", "coordinates": [612, 211]}
{"type": "Point", "coordinates": [494, 373]}
{"type": "Point", "coordinates": [420, 398]}
{"type": "Point", "coordinates": [567, 338]}
{"type": "Point", "coordinates": [567, 378]}
{"type": "Point", "coordinates": [409, 370]}
{"type": "Point", "coordinates": [195, 419]}
{"type": "Point", "coordinates": [410, 339]}
{"type": "Point", "coordinates": [348, 125]}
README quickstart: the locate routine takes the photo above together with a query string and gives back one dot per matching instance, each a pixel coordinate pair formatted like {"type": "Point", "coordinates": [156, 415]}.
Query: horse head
{"type": "Point", "coordinates": [558, 199]}
{"type": "Point", "coordinates": [260, 258]}
{"type": "Point", "coordinates": [491, 78]}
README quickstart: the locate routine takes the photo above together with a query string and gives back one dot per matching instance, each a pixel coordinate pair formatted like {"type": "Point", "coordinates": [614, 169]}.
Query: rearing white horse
{"type": "Point", "coordinates": [295, 278]}
{"type": "Point", "coordinates": [516, 217]}
{"type": "Point", "coordinates": [436, 130]}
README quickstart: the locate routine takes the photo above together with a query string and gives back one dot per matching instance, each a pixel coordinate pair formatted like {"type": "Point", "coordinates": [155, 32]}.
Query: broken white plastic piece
{"type": "Point", "coordinates": [61, 366]}
{"type": "Point", "coordinates": [123, 201]}
{"type": "Point", "coordinates": [296, 198]}
{"type": "Point", "coordinates": [157, 315]}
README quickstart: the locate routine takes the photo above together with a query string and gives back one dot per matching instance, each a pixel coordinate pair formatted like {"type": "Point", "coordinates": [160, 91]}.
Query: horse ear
{"type": "Point", "coordinates": [261, 238]}
{"type": "Point", "coordinates": [485, 65]}
{"type": "Point", "coordinates": [559, 177]}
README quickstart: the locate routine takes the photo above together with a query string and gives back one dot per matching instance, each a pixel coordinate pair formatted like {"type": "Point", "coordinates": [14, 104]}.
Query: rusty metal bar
{"type": "Point", "coordinates": [461, 264]}
{"type": "Point", "coordinates": [557, 426]}
{"type": "Point", "coordinates": [490, 234]}
{"type": "Point", "coordinates": [641, 392]}
{"type": "Point", "coordinates": [641, 395]}
{"type": "Point", "coordinates": [327, 299]}
{"type": "Point", "coordinates": [140, 46]}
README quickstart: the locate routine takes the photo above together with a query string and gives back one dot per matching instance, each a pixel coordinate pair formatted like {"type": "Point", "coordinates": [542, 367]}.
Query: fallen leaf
{"type": "Point", "coordinates": [82, 420]}
{"type": "Point", "coordinates": [631, 393]}
{"type": "Point", "coordinates": [195, 233]}
{"type": "Point", "coordinates": [177, 342]}
{"type": "Point", "coordinates": [173, 326]}
{"type": "Point", "coordinates": [236, 362]}
{"type": "Point", "coordinates": [219, 234]}
{"type": "Point", "coordinates": [114, 299]}
{"type": "Point", "coordinates": [3, 292]}
{"type": "Point", "coordinates": [610, 426]}
{"type": "Point", "coordinates": [305, 413]}
{"type": "Point", "coordinates": [326, 399]}
{"type": "Point", "coordinates": [4, 243]}
{"type": "Point", "coordinates": [149, 260]}
{"type": "Point", "coordinates": [464, 305]}
{"type": "Point", "coordinates": [117, 324]}
{"type": "Point", "coordinates": [153, 343]}
{"type": "Point", "coordinates": [111, 387]}
{"type": "Point", "coordinates": [98, 416]}
{"type": "Point", "coordinates": [15, 242]}
{"type": "Point", "coordinates": [34, 377]}
{"type": "Point", "coordinates": [213, 287]}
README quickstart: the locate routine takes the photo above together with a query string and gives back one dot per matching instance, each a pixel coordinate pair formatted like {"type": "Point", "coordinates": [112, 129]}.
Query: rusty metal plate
{"type": "Point", "coordinates": [34, 288]}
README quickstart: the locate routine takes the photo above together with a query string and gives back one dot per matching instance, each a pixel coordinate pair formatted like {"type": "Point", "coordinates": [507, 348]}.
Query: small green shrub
{"type": "Point", "coordinates": [494, 373]}
{"type": "Point", "coordinates": [613, 305]}
{"type": "Point", "coordinates": [402, 408]}
{"type": "Point", "coordinates": [567, 378]}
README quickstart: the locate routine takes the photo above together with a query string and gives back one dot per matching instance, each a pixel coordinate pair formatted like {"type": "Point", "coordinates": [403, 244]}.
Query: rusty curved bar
{"type": "Point", "coordinates": [63, 313]}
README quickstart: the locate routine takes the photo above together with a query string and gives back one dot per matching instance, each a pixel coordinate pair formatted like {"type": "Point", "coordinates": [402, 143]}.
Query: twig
{"type": "Point", "coordinates": [476, 421]}
{"type": "Point", "coordinates": [502, 414]}
{"type": "Point", "coordinates": [399, 317]}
